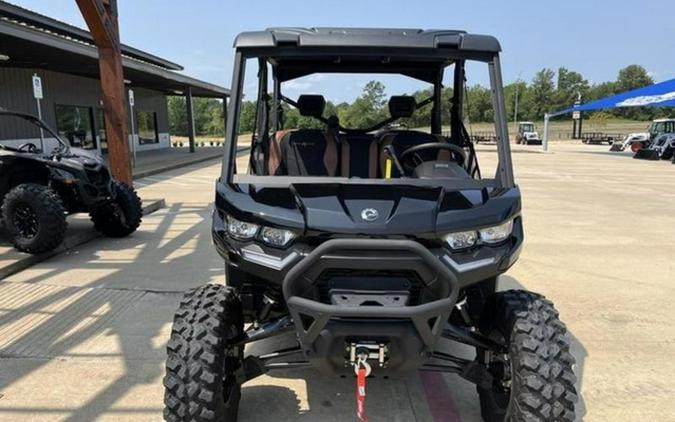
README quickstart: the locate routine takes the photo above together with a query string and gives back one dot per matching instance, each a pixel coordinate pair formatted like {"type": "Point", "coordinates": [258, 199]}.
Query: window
{"type": "Point", "coordinates": [147, 127]}
{"type": "Point", "coordinates": [100, 127]}
{"type": "Point", "coordinates": [76, 124]}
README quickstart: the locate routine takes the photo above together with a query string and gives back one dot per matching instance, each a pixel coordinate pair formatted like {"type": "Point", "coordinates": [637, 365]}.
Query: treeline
{"type": "Point", "coordinates": [208, 114]}
{"type": "Point", "coordinates": [547, 91]}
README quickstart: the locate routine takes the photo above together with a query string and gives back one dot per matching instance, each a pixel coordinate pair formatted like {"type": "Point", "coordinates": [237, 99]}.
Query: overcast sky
{"type": "Point", "coordinates": [594, 37]}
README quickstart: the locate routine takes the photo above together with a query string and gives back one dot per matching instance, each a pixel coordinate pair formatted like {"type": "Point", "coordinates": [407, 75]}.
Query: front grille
{"type": "Point", "coordinates": [370, 280]}
{"type": "Point", "coordinates": [98, 178]}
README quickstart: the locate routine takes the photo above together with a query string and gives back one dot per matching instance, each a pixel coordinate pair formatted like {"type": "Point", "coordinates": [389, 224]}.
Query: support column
{"type": "Point", "coordinates": [191, 118]}
{"type": "Point", "coordinates": [101, 18]}
{"type": "Point", "coordinates": [545, 141]}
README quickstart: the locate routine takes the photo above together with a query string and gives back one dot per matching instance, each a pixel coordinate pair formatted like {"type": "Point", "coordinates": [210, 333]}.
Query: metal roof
{"type": "Point", "coordinates": [50, 25]}
{"type": "Point", "coordinates": [36, 41]}
{"type": "Point", "coordinates": [368, 37]}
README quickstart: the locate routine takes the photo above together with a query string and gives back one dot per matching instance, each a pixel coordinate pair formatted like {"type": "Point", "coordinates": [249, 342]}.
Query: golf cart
{"type": "Point", "coordinates": [41, 185]}
{"type": "Point", "coordinates": [373, 248]}
{"type": "Point", "coordinates": [640, 140]}
{"type": "Point", "coordinates": [527, 134]}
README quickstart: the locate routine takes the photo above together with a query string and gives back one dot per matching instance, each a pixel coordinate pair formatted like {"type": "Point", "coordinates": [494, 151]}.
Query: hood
{"type": "Point", "coordinates": [79, 157]}
{"type": "Point", "coordinates": [531, 135]}
{"type": "Point", "coordinates": [637, 136]}
{"type": "Point", "coordinates": [368, 209]}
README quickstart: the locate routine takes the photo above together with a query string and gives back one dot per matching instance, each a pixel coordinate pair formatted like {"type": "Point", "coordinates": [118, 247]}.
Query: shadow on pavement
{"type": "Point", "coordinates": [111, 303]}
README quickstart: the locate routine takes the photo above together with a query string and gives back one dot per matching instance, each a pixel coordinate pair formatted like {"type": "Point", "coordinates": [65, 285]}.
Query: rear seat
{"type": "Point", "coordinates": [358, 154]}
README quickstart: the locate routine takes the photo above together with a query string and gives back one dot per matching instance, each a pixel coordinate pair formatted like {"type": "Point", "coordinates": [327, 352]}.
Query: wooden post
{"type": "Point", "coordinates": [101, 18]}
{"type": "Point", "coordinates": [191, 118]}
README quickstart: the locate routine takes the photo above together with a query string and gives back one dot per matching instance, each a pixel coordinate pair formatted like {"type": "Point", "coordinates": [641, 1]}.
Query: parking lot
{"type": "Point", "coordinates": [82, 335]}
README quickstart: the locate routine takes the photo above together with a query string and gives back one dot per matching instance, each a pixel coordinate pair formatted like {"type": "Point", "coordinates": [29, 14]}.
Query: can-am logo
{"type": "Point", "coordinates": [370, 214]}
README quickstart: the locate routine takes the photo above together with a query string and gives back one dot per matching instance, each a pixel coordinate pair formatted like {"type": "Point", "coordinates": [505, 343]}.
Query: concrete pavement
{"type": "Point", "coordinates": [82, 336]}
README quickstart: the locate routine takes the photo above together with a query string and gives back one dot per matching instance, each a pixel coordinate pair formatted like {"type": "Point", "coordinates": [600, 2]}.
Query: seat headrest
{"type": "Point", "coordinates": [402, 106]}
{"type": "Point", "coordinates": [311, 105]}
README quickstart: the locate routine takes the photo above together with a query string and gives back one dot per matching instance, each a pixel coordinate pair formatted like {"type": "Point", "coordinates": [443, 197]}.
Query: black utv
{"type": "Point", "coordinates": [41, 185]}
{"type": "Point", "coordinates": [376, 247]}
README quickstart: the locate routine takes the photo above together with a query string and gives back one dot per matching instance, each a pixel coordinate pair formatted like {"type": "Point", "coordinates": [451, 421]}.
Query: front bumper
{"type": "Point", "coordinates": [324, 327]}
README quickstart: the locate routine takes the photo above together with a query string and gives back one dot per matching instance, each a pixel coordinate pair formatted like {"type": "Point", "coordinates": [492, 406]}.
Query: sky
{"type": "Point", "coordinates": [593, 37]}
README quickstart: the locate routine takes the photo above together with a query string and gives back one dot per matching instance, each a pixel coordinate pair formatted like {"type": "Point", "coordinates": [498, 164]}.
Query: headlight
{"type": "Point", "coordinates": [461, 240]}
{"type": "Point", "coordinates": [63, 175]}
{"type": "Point", "coordinates": [276, 237]}
{"type": "Point", "coordinates": [489, 235]}
{"type": "Point", "coordinates": [496, 234]}
{"type": "Point", "coordinates": [240, 229]}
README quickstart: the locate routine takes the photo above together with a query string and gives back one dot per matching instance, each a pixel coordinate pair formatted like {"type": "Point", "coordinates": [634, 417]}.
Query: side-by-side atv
{"type": "Point", "coordinates": [375, 249]}
{"type": "Point", "coordinates": [527, 134]}
{"type": "Point", "coordinates": [39, 188]}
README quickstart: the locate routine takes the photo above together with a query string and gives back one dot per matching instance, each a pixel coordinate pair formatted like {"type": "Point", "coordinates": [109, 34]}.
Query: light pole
{"type": "Point", "coordinates": [515, 106]}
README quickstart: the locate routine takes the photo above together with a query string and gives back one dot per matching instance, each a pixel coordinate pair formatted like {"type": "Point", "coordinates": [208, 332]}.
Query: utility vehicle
{"type": "Point", "coordinates": [527, 134]}
{"type": "Point", "coordinates": [375, 248]}
{"type": "Point", "coordinates": [660, 149]}
{"type": "Point", "coordinates": [638, 141]}
{"type": "Point", "coordinates": [39, 188]}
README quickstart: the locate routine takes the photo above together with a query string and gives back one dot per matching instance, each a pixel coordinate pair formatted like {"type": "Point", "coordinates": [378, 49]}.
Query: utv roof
{"type": "Point", "coordinates": [367, 37]}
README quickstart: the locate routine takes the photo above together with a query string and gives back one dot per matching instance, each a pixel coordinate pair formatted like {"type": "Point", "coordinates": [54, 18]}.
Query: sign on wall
{"type": "Point", "coordinates": [37, 87]}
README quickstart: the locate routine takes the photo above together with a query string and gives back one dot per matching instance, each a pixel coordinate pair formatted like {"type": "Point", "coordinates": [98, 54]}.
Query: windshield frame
{"type": "Point", "coordinates": [64, 146]}
{"type": "Point", "coordinates": [503, 177]}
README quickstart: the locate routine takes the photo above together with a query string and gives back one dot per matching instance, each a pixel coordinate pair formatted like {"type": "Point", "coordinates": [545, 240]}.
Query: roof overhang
{"type": "Point", "coordinates": [28, 17]}
{"type": "Point", "coordinates": [31, 48]}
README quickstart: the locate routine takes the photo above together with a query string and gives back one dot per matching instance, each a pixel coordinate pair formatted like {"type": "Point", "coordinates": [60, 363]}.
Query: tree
{"type": "Point", "coordinates": [247, 117]}
{"type": "Point", "coordinates": [177, 115]}
{"type": "Point", "coordinates": [478, 104]}
{"type": "Point", "coordinates": [368, 109]}
{"type": "Point", "coordinates": [571, 85]}
{"type": "Point", "coordinates": [631, 77]}
{"type": "Point", "coordinates": [543, 92]}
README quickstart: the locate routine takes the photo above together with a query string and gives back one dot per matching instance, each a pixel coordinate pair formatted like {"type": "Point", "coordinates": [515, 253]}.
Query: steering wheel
{"type": "Point", "coordinates": [412, 156]}
{"type": "Point", "coordinates": [28, 147]}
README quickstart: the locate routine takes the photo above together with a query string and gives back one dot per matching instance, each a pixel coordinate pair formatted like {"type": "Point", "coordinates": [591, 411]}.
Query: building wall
{"type": "Point", "coordinates": [16, 93]}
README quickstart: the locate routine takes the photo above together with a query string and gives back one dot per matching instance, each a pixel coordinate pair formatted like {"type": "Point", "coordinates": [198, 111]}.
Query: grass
{"type": "Point", "coordinates": [562, 129]}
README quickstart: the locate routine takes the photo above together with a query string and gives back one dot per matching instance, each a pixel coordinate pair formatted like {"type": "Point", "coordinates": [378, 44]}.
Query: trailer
{"type": "Point", "coordinates": [600, 138]}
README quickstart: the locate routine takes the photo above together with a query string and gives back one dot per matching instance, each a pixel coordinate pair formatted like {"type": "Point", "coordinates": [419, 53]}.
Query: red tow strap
{"type": "Point", "coordinates": [361, 395]}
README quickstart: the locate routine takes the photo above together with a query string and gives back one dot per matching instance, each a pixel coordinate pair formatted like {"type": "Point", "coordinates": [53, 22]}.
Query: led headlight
{"type": "Point", "coordinates": [276, 237]}
{"type": "Point", "coordinates": [240, 229]}
{"type": "Point", "coordinates": [461, 240]}
{"type": "Point", "coordinates": [496, 234]}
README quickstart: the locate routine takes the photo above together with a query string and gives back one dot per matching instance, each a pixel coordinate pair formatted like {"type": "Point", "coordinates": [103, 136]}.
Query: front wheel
{"type": "Point", "coordinates": [121, 216]}
{"type": "Point", "coordinates": [200, 382]}
{"type": "Point", "coordinates": [34, 217]}
{"type": "Point", "coordinates": [533, 378]}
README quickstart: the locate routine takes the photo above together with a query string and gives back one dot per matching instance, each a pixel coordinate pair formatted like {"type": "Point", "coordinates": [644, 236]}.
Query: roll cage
{"type": "Point", "coordinates": [293, 53]}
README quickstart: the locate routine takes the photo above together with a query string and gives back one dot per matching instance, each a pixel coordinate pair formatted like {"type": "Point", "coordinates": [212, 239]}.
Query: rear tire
{"type": "Point", "coordinates": [533, 376]}
{"type": "Point", "coordinates": [122, 216]}
{"type": "Point", "coordinates": [200, 384]}
{"type": "Point", "coordinates": [34, 217]}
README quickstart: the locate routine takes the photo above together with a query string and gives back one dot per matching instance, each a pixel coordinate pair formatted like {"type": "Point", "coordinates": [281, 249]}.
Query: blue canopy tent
{"type": "Point", "coordinates": [661, 94]}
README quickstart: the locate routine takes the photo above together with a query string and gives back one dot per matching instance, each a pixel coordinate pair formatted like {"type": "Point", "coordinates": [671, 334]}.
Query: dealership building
{"type": "Point", "coordinates": [65, 60]}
